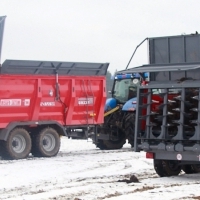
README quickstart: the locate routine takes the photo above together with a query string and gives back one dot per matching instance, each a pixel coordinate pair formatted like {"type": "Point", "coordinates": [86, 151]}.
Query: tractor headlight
{"type": "Point", "coordinates": [135, 81]}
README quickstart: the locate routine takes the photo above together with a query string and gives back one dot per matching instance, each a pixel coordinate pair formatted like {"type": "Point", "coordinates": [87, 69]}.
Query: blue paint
{"type": "Point", "coordinates": [129, 104]}
{"type": "Point", "coordinates": [110, 104]}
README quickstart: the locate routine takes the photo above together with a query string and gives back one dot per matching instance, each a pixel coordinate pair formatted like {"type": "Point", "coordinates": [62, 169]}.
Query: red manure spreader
{"type": "Point", "coordinates": [43, 100]}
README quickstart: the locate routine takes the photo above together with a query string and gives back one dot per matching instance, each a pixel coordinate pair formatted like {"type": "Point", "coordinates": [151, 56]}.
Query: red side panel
{"type": "Point", "coordinates": [81, 99]}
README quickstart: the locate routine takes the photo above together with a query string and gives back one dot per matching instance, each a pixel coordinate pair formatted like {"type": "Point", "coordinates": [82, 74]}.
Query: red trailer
{"type": "Point", "coordinates": [42, 100]}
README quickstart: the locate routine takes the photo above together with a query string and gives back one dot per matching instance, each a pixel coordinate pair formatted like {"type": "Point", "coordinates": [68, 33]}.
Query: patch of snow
{"type": "Point", "coordinates": [82, 171]}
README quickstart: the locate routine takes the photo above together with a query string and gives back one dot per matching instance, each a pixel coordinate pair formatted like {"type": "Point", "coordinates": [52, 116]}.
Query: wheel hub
{"type": "Point", "coordinates": [49, 142]}
{"type": "Point", "coordinates": [15, 143]}
{"type": "Point", "coordinates": [45, 142]}
{"type": "Point", "coordinates": [18, 143]}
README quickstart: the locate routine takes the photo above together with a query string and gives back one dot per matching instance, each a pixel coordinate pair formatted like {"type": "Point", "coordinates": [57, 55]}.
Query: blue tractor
{"type": "Point", "coordinates": [119, 117]}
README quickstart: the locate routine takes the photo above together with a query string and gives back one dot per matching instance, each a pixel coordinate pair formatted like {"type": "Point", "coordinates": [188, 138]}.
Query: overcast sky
{"type": "Point", "coordinates": [92, 30]}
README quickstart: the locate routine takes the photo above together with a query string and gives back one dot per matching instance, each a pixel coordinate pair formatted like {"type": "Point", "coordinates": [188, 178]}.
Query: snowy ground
{"type": "Point", "coordinates": [82, 172]}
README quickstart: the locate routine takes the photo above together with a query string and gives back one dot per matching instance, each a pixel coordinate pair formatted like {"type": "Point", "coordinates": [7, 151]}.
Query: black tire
{"type": "Point", "coordinates": [130, 127]}
{"type": "Point", "coordinates": [196, 168]}
{"type": "Point", "coordinates": [17, 146]}
{"type": "Point", "coordinates": [165, 168]}
{"type": "Point", "coordinates": [101, 145]}
{"type": "Point", "coordinates": [191, 169]}
{"type": "Point", "coordinates": [1, 148]}
{"type": "Point", "coordinates": [46, 143]}
{"type": "Point", "coordinates": [111, 145]}
{"type": "Point", "coordinates": [188, 169]}
{"type": "Point", "coordinates": [116, 134]}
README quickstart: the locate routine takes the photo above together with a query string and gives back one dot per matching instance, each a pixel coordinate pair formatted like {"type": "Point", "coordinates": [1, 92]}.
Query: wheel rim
{"type": "Point", "coordinates": [49, 142]}
{"type": "Point", "coordinates": [18, 143]}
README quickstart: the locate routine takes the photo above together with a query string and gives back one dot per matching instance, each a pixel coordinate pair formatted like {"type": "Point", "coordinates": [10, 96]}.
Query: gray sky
{"type": "Point", "coordinates": [92, 30]}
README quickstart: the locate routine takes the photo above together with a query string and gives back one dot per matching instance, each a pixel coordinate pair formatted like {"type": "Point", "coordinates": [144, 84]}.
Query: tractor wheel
{"type": "Point", "coordinates": [101, 145]}
{"type": "Point", "coordinates": [113, 144]}
{"type": "Point", "coordinates": [46, 143]}
{"type": "Point", "coordinates": [166, 167]}
{"type": "Point", "coordinates": [110, 145]}
{"type": "Point", "coordinates": [130, 128]}
{"type": "Point", "coordinates": [112, 127]}
{"type": "Point", "coordinates": [17, 146]}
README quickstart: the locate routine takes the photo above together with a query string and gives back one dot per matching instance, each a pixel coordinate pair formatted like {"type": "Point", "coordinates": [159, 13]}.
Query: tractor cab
{"type": "Point", "coordinates": [125, 87]}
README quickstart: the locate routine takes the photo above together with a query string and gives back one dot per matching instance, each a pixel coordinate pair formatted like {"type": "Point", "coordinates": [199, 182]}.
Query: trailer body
{"type": "Point", "coordinates": [35, 95]}
{"type": "Point", "coordinates": [34, 98]}
{"type": "Point", "coordinates": [42, 100]}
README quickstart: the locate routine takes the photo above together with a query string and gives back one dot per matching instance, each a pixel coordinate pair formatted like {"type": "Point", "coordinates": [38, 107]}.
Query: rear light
{"type": "Point", "coordinates": [92, 114]}
{"type": "Point", "coordinates": [150, 155]}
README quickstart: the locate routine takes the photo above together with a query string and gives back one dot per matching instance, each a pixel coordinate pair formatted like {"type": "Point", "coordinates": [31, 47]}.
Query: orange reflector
{"type": "Point", "coordinates": [92, 114]}
{"type": "Point", "coordinates": [150, 155]}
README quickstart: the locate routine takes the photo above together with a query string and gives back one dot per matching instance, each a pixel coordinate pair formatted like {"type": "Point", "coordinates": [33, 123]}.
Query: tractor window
{"type": "Point", "coordinates": [125, 89]}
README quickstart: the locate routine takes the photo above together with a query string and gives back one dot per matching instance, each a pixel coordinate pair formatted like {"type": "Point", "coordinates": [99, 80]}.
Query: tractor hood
{"type": "Point", "coordinates": [2, 20]}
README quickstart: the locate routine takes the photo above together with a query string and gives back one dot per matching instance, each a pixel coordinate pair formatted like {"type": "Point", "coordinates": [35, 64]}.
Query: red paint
{"type": "Point", "coordinates": [33, 98]}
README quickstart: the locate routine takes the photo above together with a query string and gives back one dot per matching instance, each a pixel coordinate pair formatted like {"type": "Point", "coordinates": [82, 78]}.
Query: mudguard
{"type": "Point", "coordinates": [130, 105]}
{"type": "Point", "coordinates": [110, 104]}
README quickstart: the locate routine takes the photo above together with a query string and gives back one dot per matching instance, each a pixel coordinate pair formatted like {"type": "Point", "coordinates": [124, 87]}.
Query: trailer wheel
{"type": "Point", "coordinates": [46, 143]}
{"type": "Point", "coordinates": [166, 167]}
{"type": "Point", "coordinates": [196, 168]}
{"type": "Point", "coordinates": [187, 169]}
{"type": "Point", "coordinates": [191, 169]}
{"type": "Point", "coordinates": [18, 144]}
